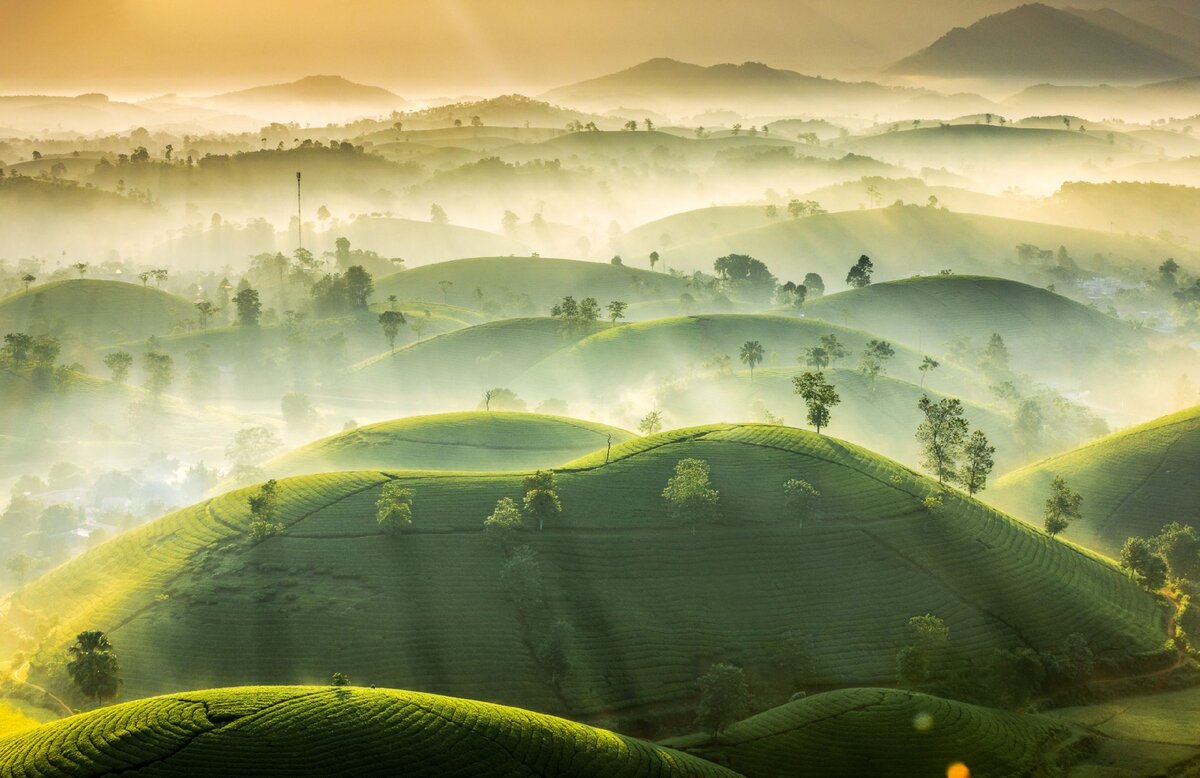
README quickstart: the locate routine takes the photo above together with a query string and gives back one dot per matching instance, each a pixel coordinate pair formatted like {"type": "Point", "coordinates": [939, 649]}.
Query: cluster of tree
{"type": "Point", "coordinates": [1171, 555]}
{"type": "Point", "coordinates": [541, 503]}
{"type": "Point", "coordinates": [949, 450]}
{"type": "Point", "coordinates": [1008, 678]}
{"type": "Point", "coordinates": [860, 273]}
{"type": "Point", "coordinates": [337, 294]}
{"type": "Point", "coordinates": [874, 359]}
{"type": "Point", "coordinates": [827, 353]}
{"type": "Point", "coordinates": [725, 697]}
{"type": "Point", "coordinates": [21, 350]}
{"type": "Point", "coordinates": [739, 272]}
{"type": "Point", "coordinates": [576, 315]}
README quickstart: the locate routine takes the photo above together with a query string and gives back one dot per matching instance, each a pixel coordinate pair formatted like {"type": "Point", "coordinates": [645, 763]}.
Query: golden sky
{"type": "Point", "coordinates": [144, 47]}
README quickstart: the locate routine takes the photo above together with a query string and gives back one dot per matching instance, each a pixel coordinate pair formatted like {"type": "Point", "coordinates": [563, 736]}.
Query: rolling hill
{"type": "Point", "coordinates": [1035, 41]}
{"type": "Point", "coordinates": [193, 599]}
{"type": "Point", "coordinates": [458, 366]}
{"type": "Point", "coordinates": [94, 312]}
{"type": "Point", "coordinates": [422, 243]}
{"type": "Point", "coordinates": [312, 98]}
{"type": "Point", "coordinates": [452, 441]}
{"type": "Point", "coordinates": [639, 357]}
{"type": "Point", "coordinates": [887, 732]}
{"type": "Point", "coordinates": [528, 285]}
{"type": "Point", "coordinates": [932, 310]}
{"type": "Point", "coordinates": [321, 731]}
{"type": "Point", "coordinates": [902, 240]}
{"type": "Point", "coordinates": [883, 417]}
{"type": "Point", "coordinates": [1132, 482]}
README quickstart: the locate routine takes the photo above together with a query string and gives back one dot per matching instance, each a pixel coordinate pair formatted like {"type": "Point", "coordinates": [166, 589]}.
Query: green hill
{"type": "Point", "coordinates": [458, 366]}
{"type": "Point", "coordinates": [902, 240]}
{"type": "Point", "coordinates": [422, 242]}
{"type": "Point", "coordinates": [192, 598]}
{"type": "Point", "coordinates": [93, 311]}
{"type": "Point", "coordinates": [527, 285]}
{"type": "Point", "coordinates": [321, 731]}
{"type": "Point", "coordinates": [664, 350]}
{"type": "Point", "coordinates": [452, 441]}
{"type": "Point", "coordinates": [883, 417]}
{"type": "Point", "coordinates": [886, 732]}
{"type": "Point", "coordinates": [1132, 482]}
{"type": "Point", "coordinates": [1045, 334]}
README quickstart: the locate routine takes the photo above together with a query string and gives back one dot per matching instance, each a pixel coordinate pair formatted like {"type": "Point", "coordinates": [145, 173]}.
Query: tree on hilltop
{"type": "Point", "coordinates": [860, 273]}
{"type": "Point", "coordinates": [819, 395]}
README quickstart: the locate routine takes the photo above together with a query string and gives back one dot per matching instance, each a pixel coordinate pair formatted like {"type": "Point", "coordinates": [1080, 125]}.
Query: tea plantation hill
{"type": "Point", "coordinates": [902, 240]}
{"type": "Point", "coordinates": [882, 417]}
{"type": "Point", "coordinates": [1047, 335]}
{"type": "Point", "coordinates": [888, 732]}
{"type": "Point", "coordinates": [94, 312]}
{"type": "Point", "coordinates": [191, 599]}
{"type": "Point", "coordinates": [324, 731]}
{"type": "Point", "coordinates": [684, 346]}
{"type": "Point", "coordinates": [423, 242]}
{"type": "Point", "coordinates": [1133, 482]}
{"type": "Point", "coordinates": [476, 440]}
{"type": "Point", "coordinates": [527, 285]}
{"type": "Point", "coordinates": [458, 366]}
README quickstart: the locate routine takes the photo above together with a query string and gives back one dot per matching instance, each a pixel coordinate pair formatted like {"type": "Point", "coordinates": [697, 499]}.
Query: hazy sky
{"type": "Point", "coordinates": [143, 47]}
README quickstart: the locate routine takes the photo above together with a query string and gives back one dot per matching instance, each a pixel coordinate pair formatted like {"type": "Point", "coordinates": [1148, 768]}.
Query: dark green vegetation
{"type": "Point", "coordinates": [478, 440]}
{"type": "Point", "coordinates": [193, 598]}
{"type": "Point", "coordinates": [888, 732]}
{"type": "Point", "coordinates": [322, 731]}
{"type": "Point", "coordinates": [1133, 482]}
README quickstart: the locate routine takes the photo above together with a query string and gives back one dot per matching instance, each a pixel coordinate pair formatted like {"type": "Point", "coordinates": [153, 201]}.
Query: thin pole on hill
{"type": "Point", "coordinates": [299, 215]}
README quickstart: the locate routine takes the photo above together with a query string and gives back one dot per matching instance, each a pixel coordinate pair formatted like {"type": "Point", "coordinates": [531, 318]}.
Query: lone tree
{"type": "Point", "coordinates": [339, 679]}
{"type": "Point", "coordinates": [541, 497]}
{"type": "Point", "coordinates": [751, 354]}
{"type": "Point", "coordinates": [118, 363]}
{"type": "Point", "coordinates": [393, 509]}
{"type": "Point", "coordinates": [249, 308]}
{"type": "Point", "coordinates": [1144, 563]}
{"type": "Point", "coordinates": [20, 565]}
{"type": "Point", "coordinates": [94, 667]}
{"type": "Point", "coordinates": [928, 364]}
{"type": "Point", "coordinates": [521, 579]}
{"type": "Point", "coordinates": [502, 524]}
{"type": "Point", "coordinates": [814, 284]}
{"type": "Point", "coordinates": [17, 346]}
{"type": "Point", "coordinates": [942, 436]}
{"type": "Point", "coordinates": [28, 279]}
{"type": "Point", "coordinates": [798, 498]}
{"type": "Point", "coordinates": [207, 310]}
{"type": "Point", "coordinates": [689, 494]}
{"type": "Point", "coordinates": [860, 273]}
{"type": "Point", "coordinates": [616, 310]}
{"type": "Point", "coordinates": [160, 372]}
{"type": "Point", "coordinates": [930, 637]}
{"type": "Point", "coordinates": [264, 504]}
{"type": "Point", "coordinates": [978, 460]}
{"type": "Point", "coordinates": [1062, 507]}
{"type": "Point", "coordinates": [1179, 544]}
{"type": "Point", "coordinates": [816, 356]}
{"type": "Point", "coordinates": [724, 697]}
{"type": "Point", "coordinates": [553, 652]}
{"type": "Point", "coordinates": [651, 423]}
{"type": "Point", "coordinates": [391, 322]}
{"type": "Point", "coordinates": [653, 259]}
{"type": "Point", "coordinates": [874, 359]}
{"type": "Point", "coordinates": [818, 395]}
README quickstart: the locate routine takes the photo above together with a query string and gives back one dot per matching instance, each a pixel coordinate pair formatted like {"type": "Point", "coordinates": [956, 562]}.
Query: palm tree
{"type": "Point", "coordinates": [28, 278]}
{"type": "Point", "coordinates": [93, 666]}
{"type": "Point", "coordinates": [752, 354]}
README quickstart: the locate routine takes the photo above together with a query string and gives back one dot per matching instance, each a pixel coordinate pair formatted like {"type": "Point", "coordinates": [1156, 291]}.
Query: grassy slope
{"type": "Point", "coordinates": [856, 732]}
{"type": "Point", "coordinates": [474, 440]}
{"type": "Point", "coordinates": [1132, 482]}
{"type": "Point", "coordinates": [883, 418]}
{"type": "Point", "coordinates": [1044, 332]}
{"type": "Point", "coordinates": [94, 311]}
{"type": "Point", "coordinates": [458, 366]}
{"type": "Point", "coordinates": [674, 348]}
{"type": "Point", "coordinates": [189, 599]}
{"type": "Point", "coordinates": [419, 243]}
{"type": "Point", "coordinates": [544, 280]}
{"type": "Point", "coordinates": [322, 731]}
{"type": "Point", "coordinates": [902, 241]}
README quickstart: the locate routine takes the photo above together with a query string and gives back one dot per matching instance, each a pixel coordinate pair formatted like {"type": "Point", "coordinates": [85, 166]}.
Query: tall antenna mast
{"type": "Point", "coordinates": [299, 215]}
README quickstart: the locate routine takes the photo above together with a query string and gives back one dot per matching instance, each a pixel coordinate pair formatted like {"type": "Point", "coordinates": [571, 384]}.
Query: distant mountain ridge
{"type": "Point", "coordinates": [1038, 42]}
{"type": "Point", "coordinates": [665, 82]}
{"type": "Point", "coordinates": [315, 89]}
